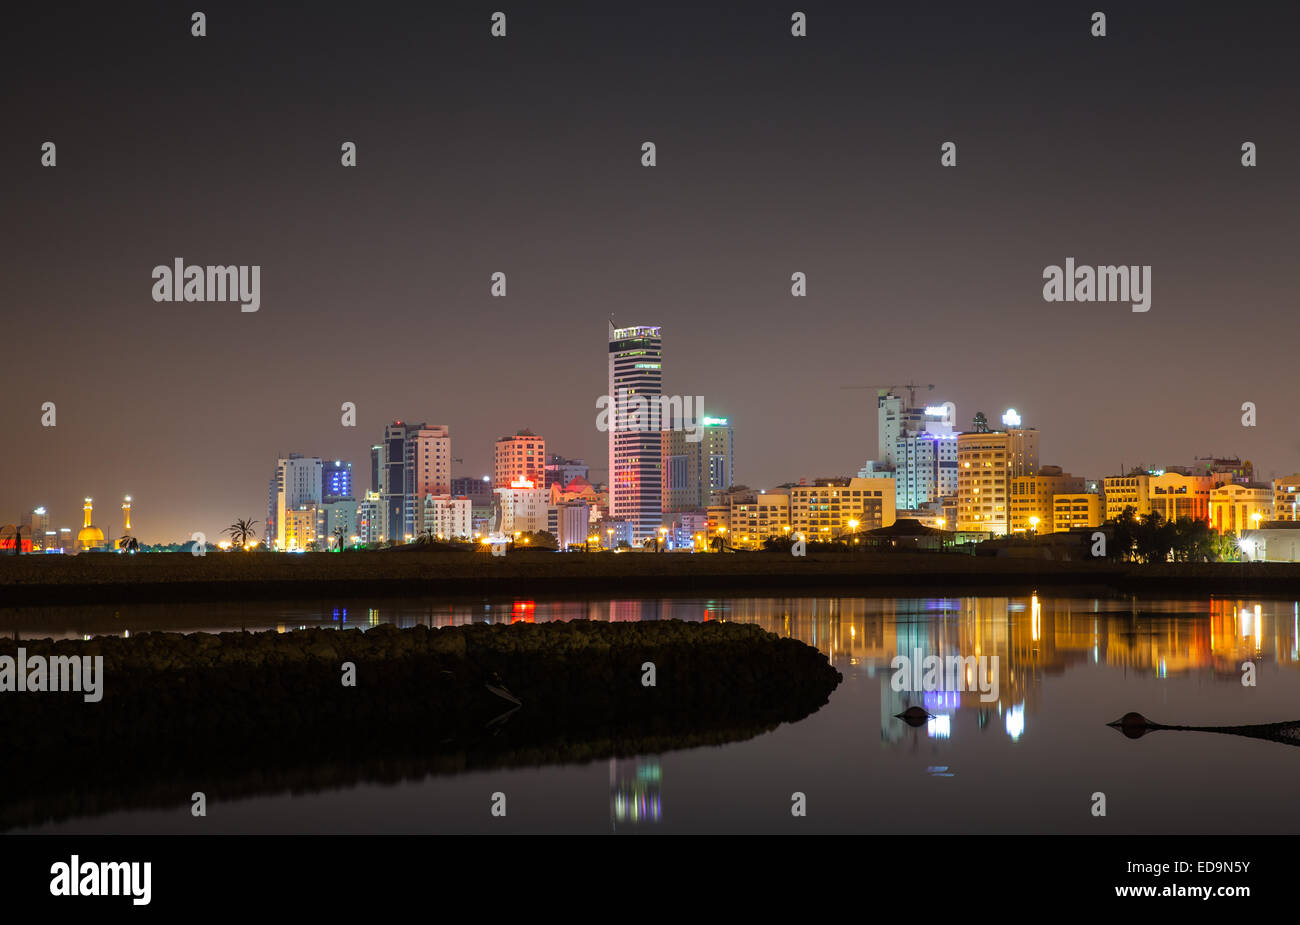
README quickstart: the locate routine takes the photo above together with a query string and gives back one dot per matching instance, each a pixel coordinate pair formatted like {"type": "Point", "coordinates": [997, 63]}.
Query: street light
{"type": "Point", "coordinates": [1033, 524]}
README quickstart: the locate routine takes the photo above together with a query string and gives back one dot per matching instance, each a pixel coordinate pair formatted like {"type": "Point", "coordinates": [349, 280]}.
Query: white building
{"type": "Point", "coordinates": [370, 513]}
{"type": "Point", "coordinates": [523, 509]}
{"type": "Point", "coordinates": [925, 469]}
{"type": "Point", "coordinates": [448, 517]}
{"type": "Point", "coordinates": [570, 523]}
{"type": "Point", "coordinates": [1276, 543]}
{"type": "Point", "coordinates": [297, 484]}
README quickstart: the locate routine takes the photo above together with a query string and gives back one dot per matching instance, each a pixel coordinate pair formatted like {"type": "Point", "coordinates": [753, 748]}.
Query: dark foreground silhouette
{"type": "Point", "coordinates": [242, 714]}
{"type": "Point", "coordinates": [1135, 725]}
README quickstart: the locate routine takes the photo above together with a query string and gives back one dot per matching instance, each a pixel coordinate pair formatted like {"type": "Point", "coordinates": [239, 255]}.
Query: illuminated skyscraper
{"type": "Point", "coordinates": [695, 469]}
{"type": "Point", "coordinates": [335, 481]}
{"type": "Point", "coordinates": [635, 450]}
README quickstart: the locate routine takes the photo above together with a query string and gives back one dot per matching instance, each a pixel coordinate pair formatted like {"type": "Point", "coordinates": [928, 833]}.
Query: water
{"type": "Point", "coordinates": [1028, 763]}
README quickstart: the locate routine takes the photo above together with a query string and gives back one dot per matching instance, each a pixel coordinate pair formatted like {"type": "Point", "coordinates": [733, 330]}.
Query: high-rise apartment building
{"type": "Point", "coordinates": [414, 461]}
{"type": "Point", "coordinates": [297, 485]}
{"type": "Point", "coordinates": [635, 443]}
{"type": "Point", "coordinates": [986, 464]}
{"type": "Point", "coordinates": [520, 457]}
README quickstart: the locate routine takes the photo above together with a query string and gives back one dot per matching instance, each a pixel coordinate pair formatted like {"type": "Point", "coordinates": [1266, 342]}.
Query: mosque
{"type": "Point", "coordinates": [89, 537]}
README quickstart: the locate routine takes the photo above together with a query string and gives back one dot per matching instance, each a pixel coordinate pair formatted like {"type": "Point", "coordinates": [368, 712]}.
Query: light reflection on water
{"type": "Point", "coordinates": [1016, 763]}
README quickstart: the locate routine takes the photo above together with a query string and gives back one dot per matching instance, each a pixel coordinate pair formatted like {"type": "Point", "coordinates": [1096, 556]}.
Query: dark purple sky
{"type": "Point", "coordinates": [523, 155]}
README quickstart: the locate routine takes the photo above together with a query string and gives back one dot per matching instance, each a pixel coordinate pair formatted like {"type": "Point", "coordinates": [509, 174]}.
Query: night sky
{"type": "Point", "coordinates": [522, 155]}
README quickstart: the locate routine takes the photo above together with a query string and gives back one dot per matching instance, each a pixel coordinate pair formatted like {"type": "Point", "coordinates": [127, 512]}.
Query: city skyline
{"type": "Point", "coordinates": [327, 472]}
{"type": "Point", "coordinates": [820, 158]}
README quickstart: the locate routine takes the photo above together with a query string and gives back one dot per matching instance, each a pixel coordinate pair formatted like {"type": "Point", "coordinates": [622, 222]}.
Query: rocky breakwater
{"type": "Point", "coordinates": [235, 714]}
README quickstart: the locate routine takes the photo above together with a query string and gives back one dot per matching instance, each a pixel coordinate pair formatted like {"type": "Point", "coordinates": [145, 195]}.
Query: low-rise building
{"type": "Point", "coordinates": [1077, 509]}
{"type": "Point", "coordinates": [1235, 507]}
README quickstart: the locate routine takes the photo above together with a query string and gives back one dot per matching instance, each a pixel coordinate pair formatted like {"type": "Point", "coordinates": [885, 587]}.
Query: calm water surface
{"type": "Point", "coordinates": [1027, 763]}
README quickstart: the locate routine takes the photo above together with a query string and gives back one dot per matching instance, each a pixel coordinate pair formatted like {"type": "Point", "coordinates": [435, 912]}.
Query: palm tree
{"type": "Point", "coordinates": [241, 531]}
{"type": "Point", "coordinates": [426, 536]}
{"type": "Point", "coordinates": [339, 536]}
{"type": "Point", "coordinates": [129, 544]}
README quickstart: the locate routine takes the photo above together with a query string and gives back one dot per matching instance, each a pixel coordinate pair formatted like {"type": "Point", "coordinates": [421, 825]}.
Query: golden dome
{"type": "Point", "coordinates": [90, 536]}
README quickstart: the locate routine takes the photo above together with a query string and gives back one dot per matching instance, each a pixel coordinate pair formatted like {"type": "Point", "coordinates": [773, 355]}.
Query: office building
{"type": "Point", "coordinates": [635, 443]}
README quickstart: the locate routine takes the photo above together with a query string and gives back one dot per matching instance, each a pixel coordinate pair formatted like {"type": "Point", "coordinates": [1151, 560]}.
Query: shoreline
{"type": "Point", "coordinates": [254, 713]}
{"type": "Point", "coordinates": [180, 577]}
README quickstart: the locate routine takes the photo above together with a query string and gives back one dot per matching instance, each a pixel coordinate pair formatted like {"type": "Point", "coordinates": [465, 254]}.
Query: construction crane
{"type": "Point", "coordinates": [910, 386]}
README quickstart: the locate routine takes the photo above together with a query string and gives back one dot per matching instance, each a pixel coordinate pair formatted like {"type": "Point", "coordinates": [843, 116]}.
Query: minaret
{"type": "Point", "coordinates": [88, 508]}
{"type": "Point", "coordinates": [126, 516]}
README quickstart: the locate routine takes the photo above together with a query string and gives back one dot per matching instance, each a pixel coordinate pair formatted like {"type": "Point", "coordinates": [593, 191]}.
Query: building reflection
{"type": "Point", "coordinates": [635, 794]}
{"type": "Point", "coordinates": [1032, 636]}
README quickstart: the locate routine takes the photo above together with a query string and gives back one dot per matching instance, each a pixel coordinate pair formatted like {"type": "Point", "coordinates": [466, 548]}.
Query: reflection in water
{"type": "Point", "coordinates": [1065, 667]}
{"type": "Point", "coordinates": [1033, 637]}
{"type": "Point", "coordinates": [634, 792]}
